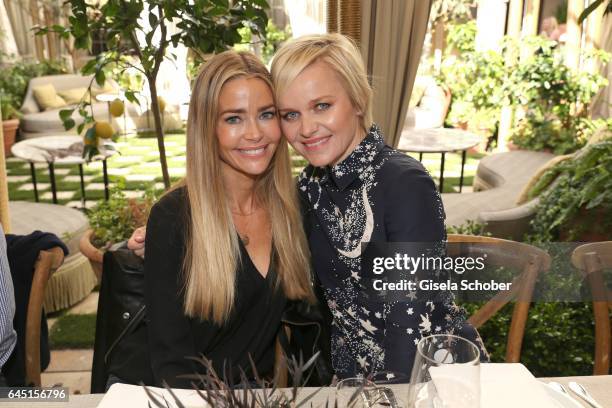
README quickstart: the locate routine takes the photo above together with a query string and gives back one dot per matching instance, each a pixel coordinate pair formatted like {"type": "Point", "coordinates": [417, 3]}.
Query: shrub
{"type": "Point", "coordinates": [114, 220]}
{"type": "Point", "coordinates": [555, 98]}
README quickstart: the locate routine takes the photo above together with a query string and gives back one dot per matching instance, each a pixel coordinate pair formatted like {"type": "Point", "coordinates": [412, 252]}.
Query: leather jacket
{"type": "Point", "coordinates": [121, 343]}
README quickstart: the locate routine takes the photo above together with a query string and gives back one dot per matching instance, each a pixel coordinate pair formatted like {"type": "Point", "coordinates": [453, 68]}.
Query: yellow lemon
{"type": "Point", "coordinates": [162, 103]}
{"type": "Point", "coordinates": [116, 108]}
{"type": "Point", "coordinates": [104, 130]}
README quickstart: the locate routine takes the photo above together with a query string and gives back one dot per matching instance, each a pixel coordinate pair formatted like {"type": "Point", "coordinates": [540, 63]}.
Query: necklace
{"type": "Point", "coordinates": [244, 236]}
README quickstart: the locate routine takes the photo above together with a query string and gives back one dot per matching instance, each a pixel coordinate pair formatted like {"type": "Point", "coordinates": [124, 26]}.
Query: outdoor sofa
{"type": "Point", "coordinates": [37, 122]}
{"type": "Point", "coordinates": [499, 182]}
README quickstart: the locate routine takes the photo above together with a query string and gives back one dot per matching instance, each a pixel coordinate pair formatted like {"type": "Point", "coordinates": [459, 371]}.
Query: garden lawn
{"type": "Point", "coordinates": [137, 164]}
{"type": "Point", "coordinates": [73, 331]}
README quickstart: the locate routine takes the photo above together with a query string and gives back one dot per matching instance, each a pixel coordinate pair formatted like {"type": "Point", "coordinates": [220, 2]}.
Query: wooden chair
{"type": "Point", "coordinates": [591, 259]}
{"type": "Point", "coordinates": [48, 261]}
{"type": "Point", "coordinates": [500, 252]}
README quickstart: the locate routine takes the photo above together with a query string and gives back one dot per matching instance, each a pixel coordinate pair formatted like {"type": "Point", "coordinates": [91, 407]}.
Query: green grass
{"type": "Point", "coordinates": [73, 331]}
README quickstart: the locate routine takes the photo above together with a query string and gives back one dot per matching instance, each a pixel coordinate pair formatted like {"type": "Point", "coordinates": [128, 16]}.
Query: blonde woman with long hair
{"type": "Point", "coordinates": [226, 249]}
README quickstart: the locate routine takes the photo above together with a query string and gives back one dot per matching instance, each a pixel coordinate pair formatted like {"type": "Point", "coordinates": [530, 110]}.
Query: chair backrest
{"type": "Point", "coordinates": [591, 259]}
{"type": "Point", "coordinates": [48, 261]}
{"type": "Point", "coordinates": [520, 256]}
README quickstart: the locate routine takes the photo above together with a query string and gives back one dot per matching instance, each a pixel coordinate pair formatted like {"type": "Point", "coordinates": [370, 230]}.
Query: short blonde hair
{"type": "Point", "coordinates": [340, 53]}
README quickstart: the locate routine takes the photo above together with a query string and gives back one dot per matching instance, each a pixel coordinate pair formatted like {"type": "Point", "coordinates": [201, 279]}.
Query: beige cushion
{"type": "Point", "coordinates": [49, 121]}
{"type": "Point", "coordinates": [107, 88]}
{"type": "Point", "coordinates": [524, 195]}
{"type": "Point", "coordinates": [74, 95]}
{"type": "Point", "coordinates": [47, 98]}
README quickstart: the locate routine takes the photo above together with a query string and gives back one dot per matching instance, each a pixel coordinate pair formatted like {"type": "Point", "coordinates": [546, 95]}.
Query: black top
{"type": "Point", "coordinates": [251, 328]}
{"type": "Point", "coordinates": [376, 194]}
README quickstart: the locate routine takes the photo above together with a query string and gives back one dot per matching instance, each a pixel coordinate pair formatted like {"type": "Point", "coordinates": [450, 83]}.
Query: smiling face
{"type": "Point", "coordinates": [318, 117]}
{"type": "Point", "coordinates": [247, 126]}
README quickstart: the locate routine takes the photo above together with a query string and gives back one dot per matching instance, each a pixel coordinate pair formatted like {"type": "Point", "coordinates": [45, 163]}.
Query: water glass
{"type": "Point", "coordinates": [361, 393]}
{"type": "Point", "coordinates": [446, 373]}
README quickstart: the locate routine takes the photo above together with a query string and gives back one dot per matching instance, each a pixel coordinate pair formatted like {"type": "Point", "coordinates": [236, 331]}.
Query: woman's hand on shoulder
{"type": "Point", "coordinates": [137, 241]}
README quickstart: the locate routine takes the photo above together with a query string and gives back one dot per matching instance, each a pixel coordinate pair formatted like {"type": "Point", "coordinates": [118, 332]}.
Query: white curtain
{"type": "Point", "coordinates": [392, 36]}
{"type": "Point", "coordinates": [7, 39]}
{"type": "Point", "coordinates": [306, 16]}
{"type": "Point", "coordinates": [21, 23]}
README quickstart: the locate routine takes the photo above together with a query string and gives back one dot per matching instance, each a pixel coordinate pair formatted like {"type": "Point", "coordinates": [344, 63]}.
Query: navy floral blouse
{"type": "Point", "coordinates": [376, 194]}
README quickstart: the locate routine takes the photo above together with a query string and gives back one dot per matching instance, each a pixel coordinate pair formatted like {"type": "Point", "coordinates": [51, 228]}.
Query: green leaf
{"type": "Point", "coordinates": [153, 20]}
{"type": "Point", "coordinates": [90, 134]}
{"type": "Point", "coordinates": [100, 77]}
{"type": "Point", "coordinates": [64, 114]}
{"type": "Point", "coordinates": [69, 123]}
{"type": "Point", "coordinates": [131, 96]}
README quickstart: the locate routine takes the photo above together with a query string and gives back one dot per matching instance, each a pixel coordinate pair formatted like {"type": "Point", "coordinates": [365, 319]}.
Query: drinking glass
{"type": "Point", "coordinates": [362, 393]}
{"type": "Point", "coordinates": [446, 373]}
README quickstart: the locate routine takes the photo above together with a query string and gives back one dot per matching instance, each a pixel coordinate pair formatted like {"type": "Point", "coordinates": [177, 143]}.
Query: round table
{"type": "Point", "coordinates": [439, 140]}
{"type": "Point", "coordinates": [59, 150]}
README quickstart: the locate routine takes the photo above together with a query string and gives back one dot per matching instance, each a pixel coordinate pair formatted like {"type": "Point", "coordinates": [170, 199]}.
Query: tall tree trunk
{"type": "Point", "coordinates": [159, 130]}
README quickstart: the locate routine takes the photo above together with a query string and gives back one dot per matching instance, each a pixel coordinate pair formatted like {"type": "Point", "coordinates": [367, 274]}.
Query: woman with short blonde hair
{"type": "Point", "coordinates": [358, 190]}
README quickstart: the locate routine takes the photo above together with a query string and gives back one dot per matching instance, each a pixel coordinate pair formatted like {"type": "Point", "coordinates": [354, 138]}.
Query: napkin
{"type": "Point", "coordinates": [511, 386]}
{"type": "Point", "coordinates": [134, 396]}
{"type": "Point", "coordinates": [501, 386]}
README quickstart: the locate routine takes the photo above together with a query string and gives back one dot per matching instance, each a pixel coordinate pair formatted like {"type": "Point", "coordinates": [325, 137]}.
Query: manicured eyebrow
{"type": "Point", "coordinates": [311, 102]}
{"type": "Point", "coordinates": [268, 107]}
{"type": "Point", "coordinates": [233, 111]}
{"type": "Point", "coordinates": [265, 108]}
{"type": "Point", "coordinates": [321, 97]}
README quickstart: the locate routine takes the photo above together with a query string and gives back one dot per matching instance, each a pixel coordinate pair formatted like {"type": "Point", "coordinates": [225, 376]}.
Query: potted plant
{"type": "Point", "coordinates": [576, 197]}
{"type": "Point", "coordinates": [113, 221]}
{"type": "Point", "coordinates": [10, 121]}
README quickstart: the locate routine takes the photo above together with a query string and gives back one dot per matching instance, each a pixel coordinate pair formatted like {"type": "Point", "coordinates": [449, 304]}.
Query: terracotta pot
{"type": "Point", "coordinates": [95, 256]}
{"type": "Point", "coordinates": [9, 129]}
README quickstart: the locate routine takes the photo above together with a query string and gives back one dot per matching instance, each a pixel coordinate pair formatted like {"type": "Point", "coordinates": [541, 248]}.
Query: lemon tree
{"type": "Point", "coordinates": [203, 26]}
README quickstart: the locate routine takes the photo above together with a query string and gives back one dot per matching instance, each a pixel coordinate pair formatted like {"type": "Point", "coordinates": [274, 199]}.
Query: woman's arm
{"type": "Point", "coordinates": [413, 213]}
{"type": "Point", "coordinates": [169, 330]}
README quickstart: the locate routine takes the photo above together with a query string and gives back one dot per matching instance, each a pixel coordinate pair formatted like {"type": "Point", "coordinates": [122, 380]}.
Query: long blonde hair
{"type": "Point", "coordinates": [340, 53]}
{"type": "Point", "coordinates": [212, 247]}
